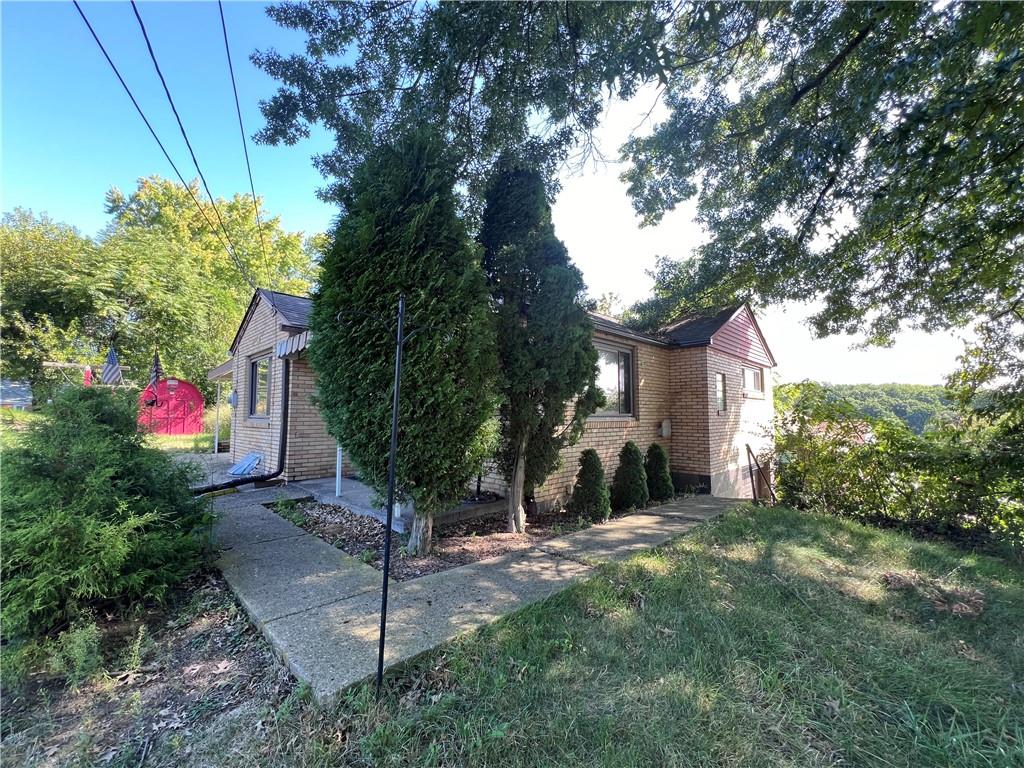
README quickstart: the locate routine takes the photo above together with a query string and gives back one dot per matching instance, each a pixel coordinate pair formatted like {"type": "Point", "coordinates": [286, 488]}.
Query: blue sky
{"type": "Point", "coordinates": [70, 132]}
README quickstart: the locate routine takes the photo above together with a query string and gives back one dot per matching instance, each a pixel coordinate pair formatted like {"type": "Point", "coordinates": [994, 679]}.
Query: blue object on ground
{"type": "Point", "coordinates": [248, 463]}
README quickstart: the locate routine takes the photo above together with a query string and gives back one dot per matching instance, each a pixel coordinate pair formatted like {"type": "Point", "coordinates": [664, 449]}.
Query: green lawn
{"type": "Point", "coordinates": [767, 638]}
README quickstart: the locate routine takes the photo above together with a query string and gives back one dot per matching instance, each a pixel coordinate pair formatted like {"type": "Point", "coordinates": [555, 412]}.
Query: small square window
{"type": "Point", "coordinates": [615, 378]}
{"type": "Point", "coordinates": [259, 386]}
{"type": "Point", "coordinates": [753, 379]}
{"type": "Point", "coordinates": [720, 401]}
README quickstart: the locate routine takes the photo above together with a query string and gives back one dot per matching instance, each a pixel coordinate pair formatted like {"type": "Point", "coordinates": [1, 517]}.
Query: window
{"type": "Point", "coordinates": [259, 386]}
{"type": "Point", "coordinates": [615, 378]}
{"type": "Point", "coordinates": [720, 402]}
{"type": "Point", "coordinates": [753, 379]}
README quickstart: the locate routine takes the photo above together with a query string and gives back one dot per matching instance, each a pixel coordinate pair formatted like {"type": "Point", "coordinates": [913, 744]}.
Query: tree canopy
{"type": "Point", "coordinates": [157, 276]}
{"type": "Point", "coordinates": [870, 154]}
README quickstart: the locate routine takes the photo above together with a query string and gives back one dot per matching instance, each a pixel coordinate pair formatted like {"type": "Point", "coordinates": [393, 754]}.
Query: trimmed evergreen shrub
{"type": "Point", "coordinates": [546, 355]}
{"type": "Point", "coordinates": [629, 487]}
{"type": "Point", "coordinates": [659, 479]}
{"type": "Point", "coordinates": [90, 515]}
{"type": "Point", "coordinates": [590, 497]}
{"type": "Point", "coordinates": [401, 233]}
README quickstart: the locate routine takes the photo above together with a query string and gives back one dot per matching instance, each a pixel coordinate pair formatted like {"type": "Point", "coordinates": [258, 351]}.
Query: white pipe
{"type": "Point", "coordinates": [216, 426]}
{"type": "Point", "coordinates": [337, 472]}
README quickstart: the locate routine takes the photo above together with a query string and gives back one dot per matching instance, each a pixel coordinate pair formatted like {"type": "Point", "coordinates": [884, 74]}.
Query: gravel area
{"type": "Point", "coordinates": [455, 544]}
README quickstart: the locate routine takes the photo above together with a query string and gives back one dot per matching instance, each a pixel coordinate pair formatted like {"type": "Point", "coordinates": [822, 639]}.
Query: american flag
{"type": "Point", "coordinates": [111, 373]}
{"type": "Point", "coordinates": [156, 372]}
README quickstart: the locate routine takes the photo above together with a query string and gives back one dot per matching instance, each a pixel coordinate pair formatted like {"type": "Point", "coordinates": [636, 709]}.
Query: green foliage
{"type": "Point", "coordinates": [91, 516]}
{"type": "Point", "coordinates": [400, 235]}
{"type": "Point", "coordinates": [76, 653]}
{"type": "Point", "coordinates": [546, 356]}
{"type": "Point", "coordinates": [590, 497]}
{"type": "Point", "coordinates": [629, 486]}
{"type": "Point", "coordinates": [659, 479]}
{"type": "Point", "coordinates": [157, 277]}
{"type": "Point", "coordinates": [960, 479]}
{"type": "Point", "coordinates": [916, 405]}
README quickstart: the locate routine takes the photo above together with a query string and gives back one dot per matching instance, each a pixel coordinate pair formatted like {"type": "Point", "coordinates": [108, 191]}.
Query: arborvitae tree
{"type": "Point", "coordinates": [629, 487]}
{"type": "Point", "coordinates": [400, 234]}
{"type": "Point", "coordinates": [547, 361]}
{"type": "Point", "coordinates": [590, 498]}
{"type": "Point", "coordinates": [659, 479]}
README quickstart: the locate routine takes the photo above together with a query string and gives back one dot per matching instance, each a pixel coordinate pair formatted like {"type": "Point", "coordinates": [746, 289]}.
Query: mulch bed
{"type": "Point", "coordinates": [455, 544]}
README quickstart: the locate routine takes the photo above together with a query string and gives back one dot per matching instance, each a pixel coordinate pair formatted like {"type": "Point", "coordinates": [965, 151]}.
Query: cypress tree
{"type": "Point", "coordinates": [547, 361]}
{"type": "Point", "coordinates": [400, 234]}
{"type": "Point", "coordinates": [659, 479]}
{"type": "Point", "coordinates": [590, 497]}
{"type": "Point", "coordinates": [629, 487]}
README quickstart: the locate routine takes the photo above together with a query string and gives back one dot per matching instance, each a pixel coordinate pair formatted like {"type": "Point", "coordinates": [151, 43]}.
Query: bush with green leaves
{"type": "Point", "coordinates": [629, 487]}
{"type": "Point", "coordinates": [956, 480]}
{"type": "Point", "coordinates": [91, 517]}
{"type": "Point", "coordinates": [590, 496]}
{"type": "Point", "coordinates": [659, 479]}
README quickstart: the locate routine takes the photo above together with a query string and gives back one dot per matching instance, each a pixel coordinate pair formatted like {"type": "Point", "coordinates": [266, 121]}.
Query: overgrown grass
{"type": "Point", "coordinates": [769, 637]}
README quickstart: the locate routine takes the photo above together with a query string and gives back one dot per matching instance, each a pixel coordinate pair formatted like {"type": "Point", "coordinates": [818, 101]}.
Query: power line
{"type": "Point", "coordinates": [245, 147]}
{"type": "Point", "coordinates": [152, 132]}
{"type": "Point", "coordinates": [195, 161]}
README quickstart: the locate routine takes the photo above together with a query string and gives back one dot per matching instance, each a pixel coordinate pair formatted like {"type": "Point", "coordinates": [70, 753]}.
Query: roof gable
{"type": "Point", "coordinates": [733, 330]}
{"type": "Point", "coordinates": [292, 311]}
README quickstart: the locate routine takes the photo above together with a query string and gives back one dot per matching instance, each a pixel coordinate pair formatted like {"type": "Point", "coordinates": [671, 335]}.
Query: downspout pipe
{"type": "Point", "coordinates": [282, 445]}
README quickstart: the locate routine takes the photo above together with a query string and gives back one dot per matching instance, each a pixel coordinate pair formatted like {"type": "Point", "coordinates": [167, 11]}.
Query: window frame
{"type": "Point", "coordinates": [629, 388]}
{"type": "Point", "coordinates": [757, 391]}
{"type": "Point", "coordinates": [721, 392]}
{"type": "Point", "coordinates": [253, 400]}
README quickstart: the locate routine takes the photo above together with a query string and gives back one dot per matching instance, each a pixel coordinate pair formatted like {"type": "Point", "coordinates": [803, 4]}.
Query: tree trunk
{"type": "Point", "coordinates": [420, 535]}
{"type": "Point", "coordinates": [516, 511]}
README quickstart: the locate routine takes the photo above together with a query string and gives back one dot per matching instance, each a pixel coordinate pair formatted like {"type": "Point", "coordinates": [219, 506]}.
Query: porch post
{"type": "Point", "coordinates": [216, 425]}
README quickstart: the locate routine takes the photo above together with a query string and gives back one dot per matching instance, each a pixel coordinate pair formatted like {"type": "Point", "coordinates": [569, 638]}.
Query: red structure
{"type": "Point", "coordinates": [175, 408]}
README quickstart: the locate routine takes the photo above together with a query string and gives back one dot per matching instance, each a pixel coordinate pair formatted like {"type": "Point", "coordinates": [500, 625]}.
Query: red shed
{"type": "Point", "coordinates": [176, 409]}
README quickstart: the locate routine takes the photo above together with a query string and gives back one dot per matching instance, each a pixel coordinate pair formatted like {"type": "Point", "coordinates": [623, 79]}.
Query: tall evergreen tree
{"type": "Point", "coordinates": [546, 357]}
{"type": "Point", "coordinates": [400, 234]}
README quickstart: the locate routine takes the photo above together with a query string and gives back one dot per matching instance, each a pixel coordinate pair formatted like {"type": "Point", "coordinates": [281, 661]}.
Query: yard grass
{"type": "Point", "coordinates": [769, 637]}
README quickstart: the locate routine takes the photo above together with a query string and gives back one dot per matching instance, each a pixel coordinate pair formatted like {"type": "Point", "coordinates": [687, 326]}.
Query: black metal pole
{"type": "Point", "coordinates": [391, 490]}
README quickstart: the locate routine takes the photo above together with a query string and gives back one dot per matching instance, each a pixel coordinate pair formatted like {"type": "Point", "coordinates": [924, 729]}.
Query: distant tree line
{"type": "Point", "coordinates": [916, 405]}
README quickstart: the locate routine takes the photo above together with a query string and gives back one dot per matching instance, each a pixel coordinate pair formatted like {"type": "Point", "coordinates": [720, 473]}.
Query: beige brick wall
{"type": "Point", "coordinates": [249, 434]}
{"type": "Point", "coordinates": [692, 387]}
{"type": "Point", "coordinates": [311, 451]}
{"type": "Point", "coordinates": [747, 419]}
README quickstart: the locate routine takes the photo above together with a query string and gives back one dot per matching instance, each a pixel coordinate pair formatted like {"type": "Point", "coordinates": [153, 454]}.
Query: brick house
{"type": "Point", "coordinates": [701, 387]}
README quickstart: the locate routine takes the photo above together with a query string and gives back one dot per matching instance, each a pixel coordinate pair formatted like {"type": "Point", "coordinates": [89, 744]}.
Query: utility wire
{"type": "Point", "coordinates": [151, 129]}
{"type": "Point", "coordinates": [245, 147]}
{"type": "Point", "coordinates": [184, 135]}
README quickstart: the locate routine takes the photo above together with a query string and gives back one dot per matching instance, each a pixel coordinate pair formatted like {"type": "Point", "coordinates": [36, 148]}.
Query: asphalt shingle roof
{"type": "Point", "coordinates": [294, 310]}
{"type": "Point", "coordinates": [697, 329]}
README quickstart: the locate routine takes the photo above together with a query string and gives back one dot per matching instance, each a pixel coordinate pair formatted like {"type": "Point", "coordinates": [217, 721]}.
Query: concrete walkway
{"type": "Point", "coordinates": [320, 608]}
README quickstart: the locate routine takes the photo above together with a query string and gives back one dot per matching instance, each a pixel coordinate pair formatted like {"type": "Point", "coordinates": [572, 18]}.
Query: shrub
{"type": "Point", "coordinates": [76, 654]}
{"type": "Point", "coordinates": [629, 487]}
{"type": "Point", "coordinates": [659, 479]}
{"type": "Point", "coordinates": [948, 481]}
{"type": "Point", "coordinates": [590, 497]}
{"type": "Point", "coordinates": [91, 516]}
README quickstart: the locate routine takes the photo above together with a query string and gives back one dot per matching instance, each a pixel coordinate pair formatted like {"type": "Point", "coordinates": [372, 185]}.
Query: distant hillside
{"type": "Point", "coordinates": [913, 404]}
